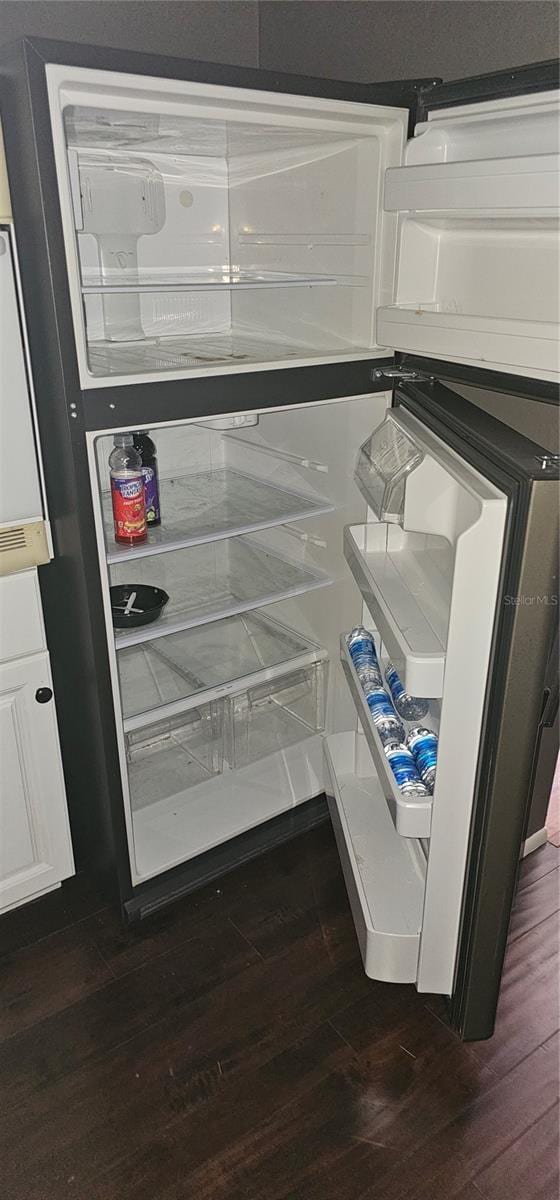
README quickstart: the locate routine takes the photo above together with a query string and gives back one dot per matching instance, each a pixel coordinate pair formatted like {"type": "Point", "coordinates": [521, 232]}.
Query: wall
{"type": "Point", "coordinates": [378, 40]}
{"type": "Point", "coordinates": [212, 30]}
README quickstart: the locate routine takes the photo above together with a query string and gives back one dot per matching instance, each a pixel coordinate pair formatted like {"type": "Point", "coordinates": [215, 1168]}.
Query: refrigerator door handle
{"type": "Point", "coordinates": [550, 706]}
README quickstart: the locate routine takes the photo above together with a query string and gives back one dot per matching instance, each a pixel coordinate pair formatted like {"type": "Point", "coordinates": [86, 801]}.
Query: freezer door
{"type": "Point", "coordinates": [477, 203]}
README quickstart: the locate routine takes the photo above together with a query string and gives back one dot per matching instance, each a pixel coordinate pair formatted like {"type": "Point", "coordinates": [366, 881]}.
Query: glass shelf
{"type": "Point", "coordinates": [211, 505]}
{"type": "Point", "coordinates": [214, 580]}
{"type": "Point", "coordinates": [181, 353]}
{"type": "Point", "coordinates": [160, 676]}
{"type": "Point", "coordinates": [94, 283]}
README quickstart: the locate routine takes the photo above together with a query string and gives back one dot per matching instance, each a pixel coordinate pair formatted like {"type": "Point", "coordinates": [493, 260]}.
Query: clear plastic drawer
{"type": "Point", "coordinates": [168, 758]}
{"type": "Point", "coordinates": [271, 716]}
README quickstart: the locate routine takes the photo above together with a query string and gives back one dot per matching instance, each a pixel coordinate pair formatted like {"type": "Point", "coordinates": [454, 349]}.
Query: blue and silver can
{"type": "Point", "coordinates": [411, 708]}
{"type": "Point", "coordinates": [384, 716]}
{"type": "Point", "coordinates": [364, 655]}
{"type": "Point", "coordinates": [404, 769]}
{"type": "Point", "coordinates": [423, 745]}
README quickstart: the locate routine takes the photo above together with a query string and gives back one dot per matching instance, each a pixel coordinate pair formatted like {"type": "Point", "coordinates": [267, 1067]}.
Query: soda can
{"type": "Point", "coordinates": [404, 769]}
{"type": "Point", "coordinates": [411, 708]}
{"type": "Point", "coordinates": [362, 650]}
{"type": "Point", "coordinates": [423, 745]}
{"type": "Point", "coordinates": [384, 716]}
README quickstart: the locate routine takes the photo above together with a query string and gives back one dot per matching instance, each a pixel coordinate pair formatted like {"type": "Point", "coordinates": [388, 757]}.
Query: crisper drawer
{"type": "Point", "coordinates": [166, 759]}
{"type": "Point", "coordinates": [274, 715]}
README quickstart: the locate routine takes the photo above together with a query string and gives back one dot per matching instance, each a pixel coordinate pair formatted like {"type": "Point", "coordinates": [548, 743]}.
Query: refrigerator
{"type": "Point", "coordinates": [282, 279]}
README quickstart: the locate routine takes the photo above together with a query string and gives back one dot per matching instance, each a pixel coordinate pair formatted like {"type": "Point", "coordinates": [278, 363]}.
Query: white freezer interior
{"type": "Point", "coordinates": [210, 228]}
{"type": "Point", "coordinates": [223, 712]}
{"type": "Point", "coordinates": [214, 229]}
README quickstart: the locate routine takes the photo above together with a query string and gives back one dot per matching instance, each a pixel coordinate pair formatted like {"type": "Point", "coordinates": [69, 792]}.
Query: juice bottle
{"type": "Point", "coordinates": [127, 491]}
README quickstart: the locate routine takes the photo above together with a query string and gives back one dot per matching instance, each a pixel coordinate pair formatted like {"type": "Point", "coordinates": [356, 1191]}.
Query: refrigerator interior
{"type": "Point", "coordinates": [242, 699]}
{"type": "Point", "coordinates": [478, 197]}
{"type": "Point", "coordinates": [210, 228]}
{"type": "Point", "coordinates": [221, 702]}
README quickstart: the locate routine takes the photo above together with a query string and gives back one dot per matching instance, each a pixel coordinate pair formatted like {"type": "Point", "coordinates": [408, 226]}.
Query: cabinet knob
{"type": "Point", "coordinates": [43, 695]}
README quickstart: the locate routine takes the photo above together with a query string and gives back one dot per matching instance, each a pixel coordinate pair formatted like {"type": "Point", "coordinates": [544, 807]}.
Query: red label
{"type": "Point", "coordinates": [129, 508]}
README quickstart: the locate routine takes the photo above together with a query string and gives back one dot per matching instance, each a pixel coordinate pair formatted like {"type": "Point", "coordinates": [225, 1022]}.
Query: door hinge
{"type": "Point", "coordinates": [402, 375]}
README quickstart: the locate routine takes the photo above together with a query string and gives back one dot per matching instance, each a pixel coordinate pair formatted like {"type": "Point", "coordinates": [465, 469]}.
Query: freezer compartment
{"type": "Point", "coordinates": [163, 674]}
{"type": "Point", "coordinates": [208, 505]}
{"type": "Point", "coordinates": [271, 716]}
{"type": "Point", "coordinates": [384, 873]}
{"type": "Point", "coordinates": [406, 582]}
{"type": "Point", "coordinates": [202, 233]}
{"type": "Point", "coordinates": [412, 815]}
{"type": "Point", "coordinates": [214, 580]}
{"type": "Point", "coordinates": [171, 756]}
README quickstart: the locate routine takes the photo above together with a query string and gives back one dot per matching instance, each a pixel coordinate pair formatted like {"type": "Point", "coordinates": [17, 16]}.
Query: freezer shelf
{"type": "Point", "coordinates": [412, 815]}
{"type": "Point", "coordinates": [210, 350]}
{"type": "Point", "coordinates": [384, 873]}
{"type": "Point", "coordinates": [404, 579]}
{"type": "Point", "coordinates": [211, 280]}
{"type": "Point", "coordinates": [209, 505]}
{"type": "Point", "coordinates": [211, 581]}
{"type": "Point", "coordinates": [161, 675]}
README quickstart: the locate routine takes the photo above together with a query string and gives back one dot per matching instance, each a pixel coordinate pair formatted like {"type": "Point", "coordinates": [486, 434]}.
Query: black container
{"type": "Point", "coordinates": [149, 604]}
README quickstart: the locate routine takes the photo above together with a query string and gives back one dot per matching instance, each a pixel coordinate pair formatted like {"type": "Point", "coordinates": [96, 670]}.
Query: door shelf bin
{"type": "Point", "coordinates": [168, 758]}
{"type": "Point", "coordinates": [384, 873]}
{"type": "Point", "coordinates": [404, 579]}
{"type": "Point", "coordinates": [412, 815]}
{"type": "Point", "coordinates": [274, 715]}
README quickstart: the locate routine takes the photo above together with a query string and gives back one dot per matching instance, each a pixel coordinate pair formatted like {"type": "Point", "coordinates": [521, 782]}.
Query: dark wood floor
{"type": "Point", "coordinates": [234, 1049]}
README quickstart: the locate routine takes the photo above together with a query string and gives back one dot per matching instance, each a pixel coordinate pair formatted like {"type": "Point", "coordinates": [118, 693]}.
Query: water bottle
{"type": "Point", "coordinates": [411, 708]}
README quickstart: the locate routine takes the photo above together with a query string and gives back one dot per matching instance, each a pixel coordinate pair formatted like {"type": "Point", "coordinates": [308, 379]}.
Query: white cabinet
{"type": "Point", "coordinates": [35, 846]}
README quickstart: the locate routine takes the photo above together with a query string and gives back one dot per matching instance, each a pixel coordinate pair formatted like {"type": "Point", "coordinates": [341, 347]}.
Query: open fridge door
{"type": "Point", "coordinates": [456, 567]}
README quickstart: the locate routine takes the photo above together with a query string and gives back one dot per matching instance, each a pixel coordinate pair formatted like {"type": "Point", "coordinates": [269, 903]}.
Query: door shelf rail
{"type": "Point", "coordinates": [384, 873]}
{"type": "Point", "coordinates": [412, 815]}
{"type": "Point", "coordinates": [407, 596]}
{"type": "Point", "coordinates": [528, 182]}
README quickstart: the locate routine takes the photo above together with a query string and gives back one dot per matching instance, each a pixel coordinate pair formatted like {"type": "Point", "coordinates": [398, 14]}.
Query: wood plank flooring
{"type": "Point", "coordinates": [233, 1049]}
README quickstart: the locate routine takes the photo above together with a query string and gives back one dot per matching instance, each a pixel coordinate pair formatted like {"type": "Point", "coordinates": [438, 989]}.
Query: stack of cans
{"type": "Point", "coordinates": [423, 745]}
{"type": "Point", "coordinates": [411, 708]}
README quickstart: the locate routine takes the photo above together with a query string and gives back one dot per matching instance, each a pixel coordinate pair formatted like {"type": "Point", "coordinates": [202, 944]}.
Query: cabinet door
{"type": "Point", "coordinates": [35, 846]}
